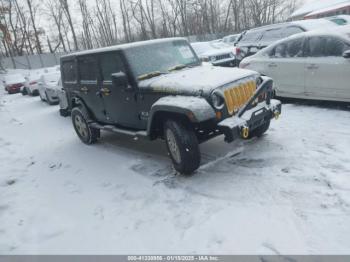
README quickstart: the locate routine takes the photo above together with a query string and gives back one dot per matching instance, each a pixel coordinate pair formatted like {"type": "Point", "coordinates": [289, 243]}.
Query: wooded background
{"type": "Point", "coordinates": [36, 26]}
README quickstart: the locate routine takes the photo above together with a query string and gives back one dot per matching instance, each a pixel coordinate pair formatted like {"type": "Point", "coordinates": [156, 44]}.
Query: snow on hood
{"type": "Point", "coordinates": [207, 49]}
{"type": "Point", "coordinates": [217, 52]}
{"type": "Point", "coordinates": [197, 80]}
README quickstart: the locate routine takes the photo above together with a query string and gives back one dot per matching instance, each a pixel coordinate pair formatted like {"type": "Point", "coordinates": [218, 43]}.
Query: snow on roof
{"type": "Point", "coordinates": [343, 31]}
{"type": "Point", "coordinates": [331, 8]}
{"type": "Point", "coordinates": [313, 24]}
{"type": "Point", "coordinates": [124, 46]}
{"type": "Point", "coordinates": [317, 5]}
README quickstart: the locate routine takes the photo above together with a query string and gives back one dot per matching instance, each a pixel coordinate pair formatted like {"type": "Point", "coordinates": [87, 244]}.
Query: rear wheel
{"type": "Point", "coordinates": [182, 145]}
{"type": "Point", "coordinates": [87, 134]}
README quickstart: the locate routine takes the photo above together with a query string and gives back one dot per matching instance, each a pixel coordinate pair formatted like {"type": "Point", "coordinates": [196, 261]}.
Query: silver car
{"type": "Point", "coordinates": [310, 65]}
{"type": "Point", "coordinates": [49, 86]}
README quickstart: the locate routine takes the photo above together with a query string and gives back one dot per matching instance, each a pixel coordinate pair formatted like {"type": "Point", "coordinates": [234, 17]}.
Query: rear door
{"type": "Point", "coordinates": [327, 71]}
{"type": "Point", "coordinates": [286, 67]}
{"type": "Point", "coordinates": [89, 85]}
{"type": "Point", "coordinates": [120, 102]}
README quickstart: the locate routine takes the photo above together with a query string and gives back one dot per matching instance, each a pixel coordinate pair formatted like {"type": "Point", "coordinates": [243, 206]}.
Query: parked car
{"type": "Point", "coordinates": [216, 53]}
{"type": "Point", "coordinates": [13, 83]}
{"type": "Point", "coordinates": [49, 86]}
{"type": "Point", "coordinates": [32, 79]}
{"type": "Point", "coordinates": [159, 89]}
{"type": "Point", "coordinates": [258, 38]}
{"type": "Point", "coordinates": [340, 19]}
{"type": "Point", "coordinates": [311, 65]}
{"type": "Point", "coordinates": [231, 39]}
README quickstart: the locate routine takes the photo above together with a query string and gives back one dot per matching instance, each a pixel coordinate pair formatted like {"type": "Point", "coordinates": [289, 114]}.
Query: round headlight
{"type": "Point", "coordinates": [217, 100]}
{"type": "Point", "coordinates": [213, 58]}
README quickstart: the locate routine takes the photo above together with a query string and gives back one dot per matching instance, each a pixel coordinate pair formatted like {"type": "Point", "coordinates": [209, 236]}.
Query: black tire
{"type": "Point", "coordinates": [183, 147]}
{"type": "Point", "coordinates": [64, 112]}
{"type": "Point", "coordinates": [41, 98]}
{"type": "Point", "coordinates": [24, 92]}
{"type": "Point", "coordinates": [87, 134]}
{"type": "Point", "coordinates": [261, 130]}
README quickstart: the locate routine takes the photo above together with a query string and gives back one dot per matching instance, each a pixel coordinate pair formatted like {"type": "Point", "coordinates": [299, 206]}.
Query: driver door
{"type": "Point", "coordinates": [120, 102]}
{"type": "Point", "coordinates": [286, 67]}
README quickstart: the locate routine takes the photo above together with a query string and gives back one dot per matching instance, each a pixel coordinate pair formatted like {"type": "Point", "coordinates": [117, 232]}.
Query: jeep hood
{"type": "Point", "coordinates": [200, 80]}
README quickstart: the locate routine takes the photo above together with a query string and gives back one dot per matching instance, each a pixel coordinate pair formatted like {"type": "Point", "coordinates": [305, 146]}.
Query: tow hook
{"type": "Point", "coordinates": [245, 132]}
{"type": "Point", "coordinates": [277, 115]}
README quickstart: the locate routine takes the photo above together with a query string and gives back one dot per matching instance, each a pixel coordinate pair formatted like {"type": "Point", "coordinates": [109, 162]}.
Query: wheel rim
{"type": "Point", "coordinates": [173, 147]}
{"type": "Point", "coordinates": [81, 126]}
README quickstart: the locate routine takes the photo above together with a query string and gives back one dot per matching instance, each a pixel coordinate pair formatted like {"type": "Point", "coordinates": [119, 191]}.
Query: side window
{"type": "Point", "coordinates": [335, 47]}
{"type": "Point", "coordinates": [280, 51]}
{"type": "Point", "coordinates": [110, 64]}
{"type": "Point", "coordinates": [251, 36]}
{"type": "Point", "coordinates": [295, 48]}
{"type": "Point", "coordinates": [69, 71]}
{"type": "Point", "coordinates": [291, 30]}
{"type": "Point", "coordinates": [88, 69]}
{"type": "Point", "coordinates": [317, 46]}
{"type": "Point", "coordinates": [273, 34]}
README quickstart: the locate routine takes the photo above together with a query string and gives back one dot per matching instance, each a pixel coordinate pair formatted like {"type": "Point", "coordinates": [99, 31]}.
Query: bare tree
{"type": "Point", "coordinates": [36, 33]}
{"type": "Point", "coordinates": [66, 9]}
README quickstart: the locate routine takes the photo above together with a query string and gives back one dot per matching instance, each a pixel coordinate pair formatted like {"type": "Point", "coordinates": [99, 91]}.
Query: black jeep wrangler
{"type": "Point", "coordinates": [160, 89]}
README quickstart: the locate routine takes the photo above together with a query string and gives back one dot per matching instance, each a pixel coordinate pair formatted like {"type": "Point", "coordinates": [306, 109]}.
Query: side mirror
{"type": "Point", "coordinates": [121, 80]}
{"type": "Point", "coordinates": [346, 54]}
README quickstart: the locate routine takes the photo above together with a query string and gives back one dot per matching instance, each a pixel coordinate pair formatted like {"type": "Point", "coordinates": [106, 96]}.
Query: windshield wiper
{"type": "Point", "coordinates": [150, 75]}
{"type": "Point", "coordinates": [177, 67]}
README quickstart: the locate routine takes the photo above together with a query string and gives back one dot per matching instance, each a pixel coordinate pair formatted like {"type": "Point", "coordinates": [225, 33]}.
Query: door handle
{"type": "Point", "coordinates": [84, 89]}
{"type": "Point", "coordinates": [312, 66]}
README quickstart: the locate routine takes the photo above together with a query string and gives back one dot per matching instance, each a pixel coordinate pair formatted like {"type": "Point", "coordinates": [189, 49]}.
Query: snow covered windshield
{"type": "Point", "coordinates": [160, 57]}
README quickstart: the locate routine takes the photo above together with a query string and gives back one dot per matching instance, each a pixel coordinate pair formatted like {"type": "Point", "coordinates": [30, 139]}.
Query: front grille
{"type": "Point", "coordinates": [222, 57]}
{"type": "Point", "coordinates": [238, 96]}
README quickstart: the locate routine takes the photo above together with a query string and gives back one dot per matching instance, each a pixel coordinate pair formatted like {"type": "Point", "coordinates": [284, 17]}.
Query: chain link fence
{"type": "Point", "coordinates": [30, 61]}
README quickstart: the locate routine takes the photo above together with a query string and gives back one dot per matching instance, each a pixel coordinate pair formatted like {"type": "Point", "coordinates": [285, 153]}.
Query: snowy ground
{"type": "Point", "coordinates": [287, 193]}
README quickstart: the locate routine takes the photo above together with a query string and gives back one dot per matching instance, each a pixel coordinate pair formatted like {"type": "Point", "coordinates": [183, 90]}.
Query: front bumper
{"type": "Point", "coordinates": [52, 93]}
{"type": "Point", "coordinates": [252, 116]}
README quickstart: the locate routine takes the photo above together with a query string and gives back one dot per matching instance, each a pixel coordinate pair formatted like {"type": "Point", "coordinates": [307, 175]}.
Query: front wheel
{"type": "Point", "coordinates": [87, 134]}
{"type": "Point", "coordinates": [41, 97]}
{"type": "Point", "coordinates": [183, 147]}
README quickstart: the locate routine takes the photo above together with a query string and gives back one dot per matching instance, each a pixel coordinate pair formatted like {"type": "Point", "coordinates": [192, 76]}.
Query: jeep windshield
{"type": "Point", "coordinates": [152, 60]}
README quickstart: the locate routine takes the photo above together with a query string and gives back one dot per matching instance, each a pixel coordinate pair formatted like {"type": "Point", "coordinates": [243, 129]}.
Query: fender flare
{"type": "Point", "coordinates": [78, 102]}
{"type": "Point", "coordinates": [195, 109]}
